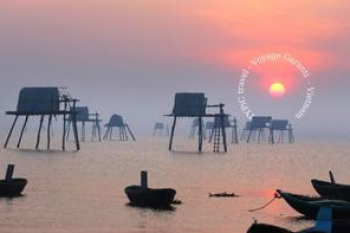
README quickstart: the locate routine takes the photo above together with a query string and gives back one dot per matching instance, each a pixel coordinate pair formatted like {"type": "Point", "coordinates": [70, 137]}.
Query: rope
{"type": "Point", "coordinates": [276, 196]}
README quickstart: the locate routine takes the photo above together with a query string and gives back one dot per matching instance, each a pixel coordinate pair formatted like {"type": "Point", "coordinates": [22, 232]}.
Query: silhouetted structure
{"type": "Point", "coordinates": [260, 125]}
{"type": "Point", "coordinates": [44, 101]}
{"type": "Point", "coordinates": [195, 105]}
{"type": "Point", "coordinates": [11, 187]}
{"type": "Point", "coordinates": [282, 127]}
{"type": "Point", "coordinates": [84, 116]}
{"type": "Point", "coordinates": [116, 121]}
{"type": "Point", "coordinates": [195, 128]}
{"type": "Point", "coordinates": [215, 127]}
{"type": "Point", "coordinates": [245, 130]}
{"type": "Point", "coordinates": [159, 128]}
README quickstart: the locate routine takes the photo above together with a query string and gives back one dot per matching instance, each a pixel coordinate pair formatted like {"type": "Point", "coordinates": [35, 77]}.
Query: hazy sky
{"type": "Point", "coordinates": [130, 57]}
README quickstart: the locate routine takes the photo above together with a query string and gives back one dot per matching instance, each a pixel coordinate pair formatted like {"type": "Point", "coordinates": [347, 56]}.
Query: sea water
{"type": "Point", "coordinates": [84, 191]}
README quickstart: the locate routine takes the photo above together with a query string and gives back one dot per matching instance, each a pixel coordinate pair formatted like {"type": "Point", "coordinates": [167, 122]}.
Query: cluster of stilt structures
{"type": "Point", "coordinates": [159, 129]}
{"type": "Point", "coordinates": [195, 105]}
{"type": "Point", "coordinates": [83, 116]}
{"type": "Point", "coordinates": [116, 121]}
{"type": "Point", "coordinates": [265, 129]}
{"type": "Point", "coordinates": [45, 102]}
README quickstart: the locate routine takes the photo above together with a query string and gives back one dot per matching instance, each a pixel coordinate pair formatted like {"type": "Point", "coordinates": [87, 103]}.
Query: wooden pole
{"type": "Point", "coordinates": [235, 131]}
{"type": "Point", "coordinates": [49, 132]}
{"type": "Point", "coordinates": [39, 131]}
{"type": "Point", "coordinates": [200, 134]}
{"type": "Point", "coordinates": [64, 125]}
{"type": "Point", "coordinates": [331, 177]}
{"type": "Point", "coordinates": [98, 130]}
{"type": "Point", "coordinates": [105, 136]}
{"type": "Point", "coordinates": [249, 135]}
{"type": "Point", "coordinates": [74, 124]}
{"type": "Point", "coordinates": [22, 131]}
{"type": "Point", "coordinates": [271, 135]}
{"type": "Point", "coordinates": [10, 132]}
{"type": "Point", "coordinates": [131, 134]}
{"type": "Point", "coordinates": [9, 172]}
{"type": "Point", "coordinates": [144, 179]}
{"type": "Point", "coordinates": [172, 134]}
{"type": "Point", "coordinates": [125, 132]}
{"type": "Point", "coordinates": [223, 127]}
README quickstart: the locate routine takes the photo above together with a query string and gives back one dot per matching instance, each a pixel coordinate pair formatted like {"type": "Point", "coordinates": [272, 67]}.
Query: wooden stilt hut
{"type": "Point", "coordinates": [159, 128]}
{"type": "Point", "coordinates": [84, 116]}
{"type": "Point", "coordinates": [282, 128]}
{"type": "Point", "coordinates": [116, 121]}
{"type": "Point", "coordinates": [260, 130]}
{"type": "Point", "coordinates": [195, 105]}
{"type": "Point", "coordinates": [44, 102]}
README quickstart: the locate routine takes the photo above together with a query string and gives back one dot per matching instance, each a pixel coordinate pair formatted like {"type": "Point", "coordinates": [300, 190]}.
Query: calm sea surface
{"type": "Point", "coordinates": [84, 191]}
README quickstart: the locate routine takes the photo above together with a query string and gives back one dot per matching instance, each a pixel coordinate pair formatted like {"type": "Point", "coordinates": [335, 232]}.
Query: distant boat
{"type": "Point", "coordinates": [12, 187]}
{"type": "Point", "coordinates": [309, 206]}
{"type": "Point", "coordinates": [332, 190]}
{"type": "Point", "coordinates": [149, 197]}
{"type": "Point", "coordinates": [224, 194]}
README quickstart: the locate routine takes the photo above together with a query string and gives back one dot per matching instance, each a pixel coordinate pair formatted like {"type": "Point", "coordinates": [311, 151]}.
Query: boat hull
{"type": "Point", "coordinates": [310, 206]}
{"type": "Point", "coordinates": [12, 188]}
{"type": "Point", "coordinates": [331, 190]}
{"type": "Point", "coordinates": [139, 196]}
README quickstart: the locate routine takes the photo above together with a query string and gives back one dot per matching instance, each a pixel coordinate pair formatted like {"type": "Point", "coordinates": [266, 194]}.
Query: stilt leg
{"type": "Point", "coordinates": [131, 134]}
{"type": "Point", "coordinates": [22, 131]}
{"type": "Point", "coordinates": [39, 131]}
{"type": "Point", "coordinates": [64, 126]}
{"type": "Point", "coordinates": [172, 134]}
{"type": "Point", "coordinates": [10, 132]}
{"type": "Point", "coordinates": [49, 132]}
{"type": "Point", "coordinates": [223, 131]}
{"type": "Point", "coordinates": [75, 128]}
{"type": "Point", "coordinates": [200, 135]}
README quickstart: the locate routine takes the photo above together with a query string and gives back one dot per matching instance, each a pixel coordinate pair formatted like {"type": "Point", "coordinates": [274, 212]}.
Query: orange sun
{"type": "Point", "coordinates": [277, 90]}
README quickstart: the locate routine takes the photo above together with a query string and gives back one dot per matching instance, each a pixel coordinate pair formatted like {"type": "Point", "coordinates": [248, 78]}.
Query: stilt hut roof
{"type": "Point", "coordinates": [279, 124]}
{"type": "Point", "coordinates": [115, 121]}
{"type": "Point", "coordinates": [39, 100]}
{"type": "Point", "coordinates": [259, 122]}
{"type": "Point", "coordinates": [189, 104]}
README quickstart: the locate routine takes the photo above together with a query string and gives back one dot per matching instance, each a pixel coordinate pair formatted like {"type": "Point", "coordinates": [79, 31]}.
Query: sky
{"type": "Point", "coordinates": [131, 57]}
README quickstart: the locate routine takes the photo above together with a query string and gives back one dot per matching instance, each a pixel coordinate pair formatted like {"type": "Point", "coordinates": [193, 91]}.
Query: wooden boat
{"type": "Point", "coordinates": [309, 206]}
{"type": "Point", "coordinates": [149, 197]}
{"type": "Point", "coordinates": [223, 194]}
{"type": "Point", "coordinates": [12, 187]}
{"type": "Point", "coordinates": [262, 227]}
{"type": "Point", "coordinates": [332, 190]}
